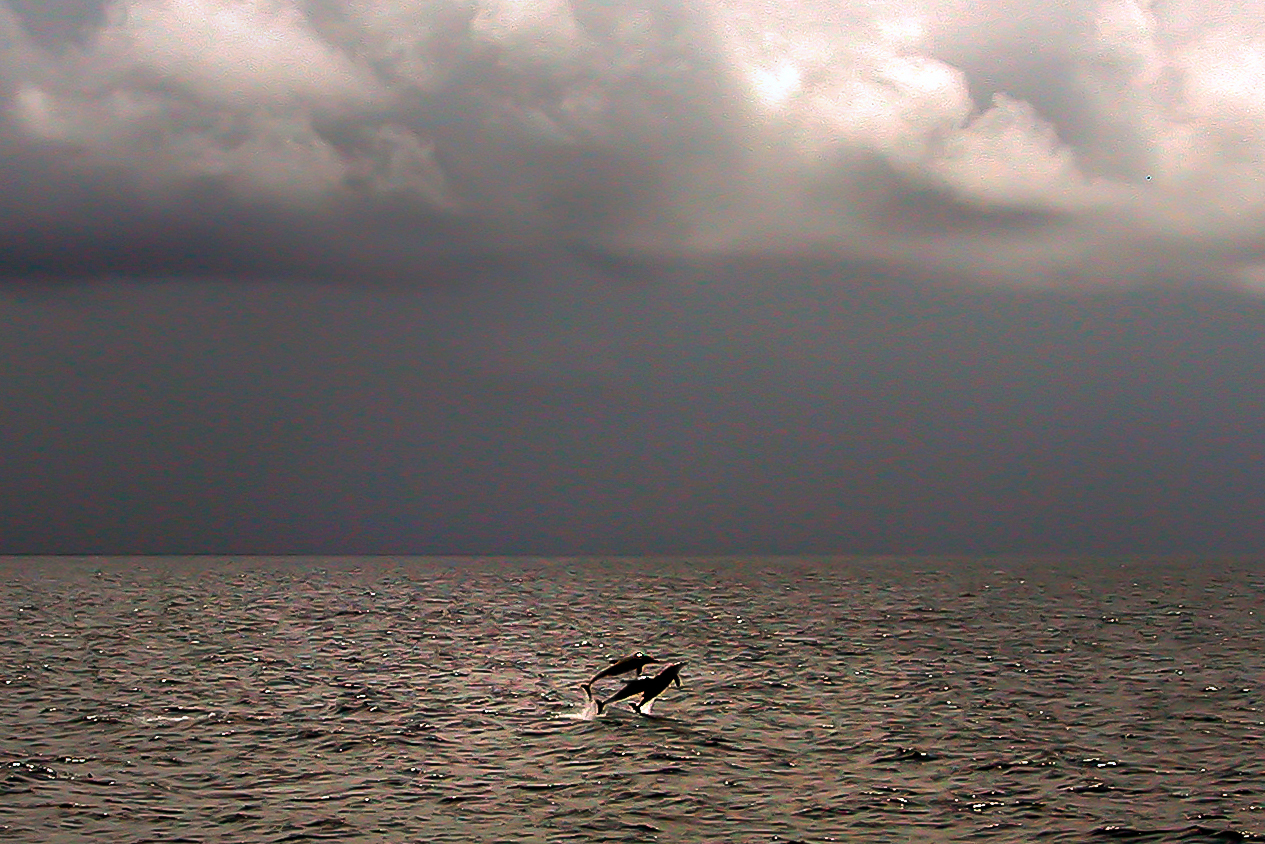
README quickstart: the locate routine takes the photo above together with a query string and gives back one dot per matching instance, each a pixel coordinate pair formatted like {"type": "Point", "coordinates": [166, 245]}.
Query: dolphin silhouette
{"type": "Point", "coordinates": [636, 662]}
{"type": "Point", "coordinates": [648, 687]}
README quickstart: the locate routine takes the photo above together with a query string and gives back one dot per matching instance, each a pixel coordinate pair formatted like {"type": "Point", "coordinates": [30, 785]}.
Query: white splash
{"type": "Point", "coordinates": [585, 712]}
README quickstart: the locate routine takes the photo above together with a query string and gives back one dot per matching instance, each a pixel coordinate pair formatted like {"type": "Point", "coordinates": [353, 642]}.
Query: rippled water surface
{"type": "Point", "coordinates": [426, 700]}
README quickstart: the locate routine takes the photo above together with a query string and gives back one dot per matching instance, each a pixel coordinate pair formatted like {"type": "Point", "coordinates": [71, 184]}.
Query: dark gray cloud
{"type": "Point", "coordinates": [759, 407]}
{"type": "Point", "coordinates": [55, 26]}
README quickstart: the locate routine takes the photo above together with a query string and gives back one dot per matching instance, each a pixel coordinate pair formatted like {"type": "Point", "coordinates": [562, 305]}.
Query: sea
{"type": "Point", "coordinates": [855, 699]}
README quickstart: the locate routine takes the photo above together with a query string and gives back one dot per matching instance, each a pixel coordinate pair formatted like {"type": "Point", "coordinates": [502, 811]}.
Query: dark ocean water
{"type": "Point", "coordinates": [402, 700]}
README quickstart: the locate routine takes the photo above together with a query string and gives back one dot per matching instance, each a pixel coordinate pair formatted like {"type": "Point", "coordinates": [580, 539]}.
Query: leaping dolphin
{"type": "Point", "coordinates": [648, 687]}
{"type": "Point", "coordinates": [636, 662]}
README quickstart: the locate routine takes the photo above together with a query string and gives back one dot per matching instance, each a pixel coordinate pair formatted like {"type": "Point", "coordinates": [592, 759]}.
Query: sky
{"type": "Point", "coordinates": [667, 276]}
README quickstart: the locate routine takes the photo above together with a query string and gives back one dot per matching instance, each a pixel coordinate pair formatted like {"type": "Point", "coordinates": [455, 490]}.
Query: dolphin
{"type": "Point", "coordinates": [636, 662]}
{"type": "Point", "coordinates": [648, 687]}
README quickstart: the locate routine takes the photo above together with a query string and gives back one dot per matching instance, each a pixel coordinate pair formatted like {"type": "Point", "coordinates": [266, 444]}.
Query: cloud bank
{"type": "Point", "coordinates": [1083, 144]}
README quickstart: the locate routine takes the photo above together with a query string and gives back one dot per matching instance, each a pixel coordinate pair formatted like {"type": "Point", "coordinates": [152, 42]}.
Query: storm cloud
{"type": "Point", "coordinates": [1083, 144]}
{"type": "Point", "coordinates": [520, 276]}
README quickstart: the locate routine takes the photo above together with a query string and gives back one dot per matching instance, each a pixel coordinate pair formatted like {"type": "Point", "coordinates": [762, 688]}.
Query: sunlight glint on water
{"type": "Point", "coordinates": [439, 700]}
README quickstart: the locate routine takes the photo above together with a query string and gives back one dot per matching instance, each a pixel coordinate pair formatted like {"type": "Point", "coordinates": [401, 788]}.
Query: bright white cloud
{"type": "Point", "coordinates": [235, 52]}
{"type": "Point", "coordinates": [1009, 156]}
{"type": "Point", "coordinates": [1131, 129]}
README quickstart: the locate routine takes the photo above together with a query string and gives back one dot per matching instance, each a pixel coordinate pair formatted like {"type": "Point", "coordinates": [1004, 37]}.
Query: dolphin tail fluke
{"type": "Point", "coordinates": [588, 690]}
{"type": "Point", "coordinates": [600, 704]}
